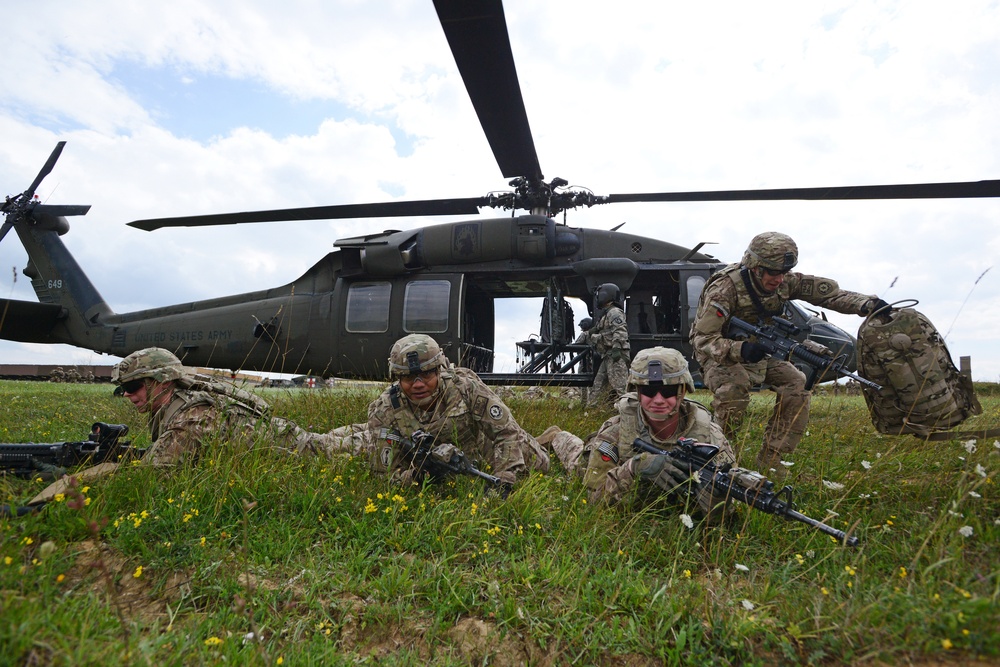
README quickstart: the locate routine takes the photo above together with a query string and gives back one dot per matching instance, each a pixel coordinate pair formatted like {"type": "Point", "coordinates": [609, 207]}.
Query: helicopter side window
{"type": "Point", "coordinates": [425, 306]}
{"type": "Point", "coordinates": [694, 286]}
{"type": "Point", "coordinates": [368, 307]}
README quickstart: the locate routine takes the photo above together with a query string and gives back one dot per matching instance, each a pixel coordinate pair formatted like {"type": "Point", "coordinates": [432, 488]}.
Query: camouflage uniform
{"type": "Point", "coordinates": [463, 412]}
{"type": "Point", "coordinates": [607, 461]}
{"type": "Point", "coordinates": [466, 414]}
{"type": "Point", "coordinates": [609, 337]}
{"type": "Point", "coordinates": [199, 408]}
{"type": "Point", "coordinates": [736, 291]}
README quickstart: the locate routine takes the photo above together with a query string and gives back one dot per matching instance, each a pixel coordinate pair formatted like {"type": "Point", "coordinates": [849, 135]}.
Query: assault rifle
{"type": "Point", "coordinates": [778, 339]}
{"type": "Point", "coordinates": [746, 486]}
{"type": "Point", "coordinates": [419, 448]}
{"type": "Point", "coordinates": [51, 459]}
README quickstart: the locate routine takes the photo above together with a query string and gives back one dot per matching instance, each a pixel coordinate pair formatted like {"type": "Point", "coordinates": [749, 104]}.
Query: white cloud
{"type": "Point", "coordinates": [643, 97]}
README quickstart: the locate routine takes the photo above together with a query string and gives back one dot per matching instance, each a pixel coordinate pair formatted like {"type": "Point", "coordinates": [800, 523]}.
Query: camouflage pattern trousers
{"type": "Point", "coordinates": [610, 381]}
{"type": "Point", "coordinates": [730, 385]}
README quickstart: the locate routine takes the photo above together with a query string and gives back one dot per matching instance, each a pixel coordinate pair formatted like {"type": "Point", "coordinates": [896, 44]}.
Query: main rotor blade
{"type": "Point", "coordinates": [468, 206]}
{"type": "Point", "coordinates": [477, 34]}
{"type": "Point", "coordinates": [4, 229]}
{"type": "Point", "coordinates": [958, 190]}
{"type": "Point", "coordinates": [60, 209]}
{"type": "Point", "coordinates": [46, 169]}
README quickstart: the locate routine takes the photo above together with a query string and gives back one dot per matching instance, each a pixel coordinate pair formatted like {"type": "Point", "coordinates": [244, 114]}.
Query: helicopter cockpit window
{"type": "Point", "coordinates": [368, 307]}
{"type": "Point", "coordinates": [425, 306]}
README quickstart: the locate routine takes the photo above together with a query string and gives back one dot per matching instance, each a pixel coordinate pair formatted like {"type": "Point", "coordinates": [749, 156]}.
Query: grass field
{"type": "Point", "coordinates": [258, 557]}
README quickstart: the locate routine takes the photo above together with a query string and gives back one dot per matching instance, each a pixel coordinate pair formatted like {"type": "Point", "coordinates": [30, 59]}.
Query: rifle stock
{"type": "Point", "coordinates": [748, 487]}
{"type": "Point", "coordinates": [778, 339]}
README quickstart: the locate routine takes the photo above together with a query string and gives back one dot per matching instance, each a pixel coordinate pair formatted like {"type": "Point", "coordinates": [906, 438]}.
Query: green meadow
{"type": "Point", "coordinates": [255, 556]}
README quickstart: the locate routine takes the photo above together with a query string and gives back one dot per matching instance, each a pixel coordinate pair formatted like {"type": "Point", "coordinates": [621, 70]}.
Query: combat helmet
{"type": "Point", "coordinates": [607, 293]}
{"type": "Point", "coordinates": [153, 362]}
{"type": "Point", "coordinates": [771, 250]}
{"type": "Point", "coordinates": [660, 365]}
{"type": "Point", "coordinates": [414, 354]}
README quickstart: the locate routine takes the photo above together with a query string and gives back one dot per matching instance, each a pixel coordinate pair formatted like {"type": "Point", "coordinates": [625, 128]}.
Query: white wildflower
{"type": "Point", "coordinates": [836, 486]}
{"type": "Point", "coordinates": [787, 464]}
{"type": "Point", "coordinates": [970, 446]}
{"type": "Point", "coordinates": [565, 498]}
{"type": "Point", "coordinates": [742, 568]}
{"type": "Point", "coordinates": [980, 470]}
{"type": "Point", "coordinates": [996, 444]}
{"type": "Point", "coordinates": [864, 495]}
{"type": "Point", "coordinates": [747, 605]}
{"type": "Point", "coordinates": [686, 520]}
{"type": "Point", "coordinates": [974, 494]}
{"type": "Point", "coordinates": [810, 553]}
{"type": "Point", "coordinates": [696, 477]}
{"type": "Point", "coordinates": [867, 465]}
{"type": "Point", "coordinates": [878, 455]}
{"type": "Point", "coordinates": [965, 531]}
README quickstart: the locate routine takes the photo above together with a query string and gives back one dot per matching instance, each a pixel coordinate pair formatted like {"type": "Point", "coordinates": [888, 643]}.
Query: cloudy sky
{"type": "Point", "coordinates": [209, 107]}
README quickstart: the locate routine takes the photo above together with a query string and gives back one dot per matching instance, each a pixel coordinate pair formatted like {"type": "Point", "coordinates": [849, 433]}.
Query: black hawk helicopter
{"type": "Point", "coordinates": [341, 317]}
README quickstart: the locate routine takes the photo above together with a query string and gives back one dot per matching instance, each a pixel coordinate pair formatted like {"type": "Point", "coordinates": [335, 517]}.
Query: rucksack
{"type": "Point", "coordinates": [922, 394]}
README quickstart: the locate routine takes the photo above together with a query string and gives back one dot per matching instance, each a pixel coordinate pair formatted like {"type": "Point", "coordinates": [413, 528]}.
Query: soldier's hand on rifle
{"type": "Point", "coordinates": [446, 452]}
{"type": "Point", "coordinates": [660, 470]}
{"type": "Point", "coordinates": [751, 352]}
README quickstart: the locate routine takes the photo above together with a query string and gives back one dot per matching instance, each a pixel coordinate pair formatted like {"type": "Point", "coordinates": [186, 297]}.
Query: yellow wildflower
{"type": "Point", "coordinates": [213, 641]}
{"type": "Point", "coordinates": [138, 572]}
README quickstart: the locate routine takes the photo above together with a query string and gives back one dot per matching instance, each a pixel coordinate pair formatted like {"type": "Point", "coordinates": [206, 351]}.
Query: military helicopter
{"type": "Point", "coordinates": [341, 316]}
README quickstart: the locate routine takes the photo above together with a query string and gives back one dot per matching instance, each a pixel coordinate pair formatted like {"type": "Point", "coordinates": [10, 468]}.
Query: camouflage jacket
{"type": "Point", "coordinates": [609, 332]}
{"type": "Point", "coordinates": [466, 414]}
{"type": "Point", "coordinates": [201, 407]}
{"type": "Point", "coordinates": [611, 448]}
{"type": "Point", "coordinates": [725, 295]}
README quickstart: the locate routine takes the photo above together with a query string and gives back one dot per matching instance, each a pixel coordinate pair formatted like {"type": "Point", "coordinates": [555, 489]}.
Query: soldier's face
{"type": "Point", "coordinates": [149, 396]}
{"type": "Point", "coordinates": [771, 280]}
{"type": "Point", "coordinates": [659, 407]}
{"type": "Point", "coordinates": [420, 386]}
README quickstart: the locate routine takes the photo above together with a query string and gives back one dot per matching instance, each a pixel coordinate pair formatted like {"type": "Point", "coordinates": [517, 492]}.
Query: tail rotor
{"type": "Point", "coordinates": [25, 209]}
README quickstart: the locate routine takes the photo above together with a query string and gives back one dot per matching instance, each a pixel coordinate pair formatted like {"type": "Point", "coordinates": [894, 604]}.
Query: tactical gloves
{"type": "Point", "coordinates": [660, 470]}
{"type": "Point", "coordinates": [751, 353]}
{"type": "Point", "coordinates": [615, 354]}
{"type": "Point", "coordinates": [873, 305]}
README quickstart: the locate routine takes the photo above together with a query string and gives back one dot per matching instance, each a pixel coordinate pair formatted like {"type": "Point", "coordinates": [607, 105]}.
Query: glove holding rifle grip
{"type": "Point", "coordinates": [751, 352]}
{"type": "Point", "coordinates": [661, 470]}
